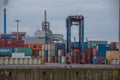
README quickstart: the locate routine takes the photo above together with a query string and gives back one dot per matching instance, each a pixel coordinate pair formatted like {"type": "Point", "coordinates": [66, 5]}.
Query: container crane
{"type": "Point", "coordinates": [77, 20]}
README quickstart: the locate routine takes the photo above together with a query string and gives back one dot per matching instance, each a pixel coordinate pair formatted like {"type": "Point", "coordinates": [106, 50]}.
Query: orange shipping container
{"type": "Point", "coordinates": [112, 55]}
{"type": "Point", "coordinates": [35, 46]}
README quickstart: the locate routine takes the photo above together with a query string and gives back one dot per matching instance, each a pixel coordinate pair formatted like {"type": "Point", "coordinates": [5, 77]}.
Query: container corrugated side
{"type": "Point", "coordinates": [27, 51]}
{"type": "Point", "coordinates": [6, 51]}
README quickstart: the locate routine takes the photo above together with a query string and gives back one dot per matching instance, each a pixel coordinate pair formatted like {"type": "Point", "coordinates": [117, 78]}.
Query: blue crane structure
{"type": "Point", "coordinates": [77, 20]}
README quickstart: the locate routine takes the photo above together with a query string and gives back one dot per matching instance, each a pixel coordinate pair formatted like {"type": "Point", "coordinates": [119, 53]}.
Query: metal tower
{"type": "Point", "coordinates": [45, 26]}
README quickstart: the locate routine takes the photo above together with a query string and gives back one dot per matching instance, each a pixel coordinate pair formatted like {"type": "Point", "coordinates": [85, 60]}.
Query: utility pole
{"type": "Point", "coordinates": [17, 21]}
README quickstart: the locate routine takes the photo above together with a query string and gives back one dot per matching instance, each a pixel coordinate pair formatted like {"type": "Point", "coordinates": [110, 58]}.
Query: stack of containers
{"type": "Point", "coordinates": [51, 53]}
{"type": "Point", "coordinates": [114, 46]}
{"type": "Point", "coordinates": [48, 52]}
{"type": "Point", "coordinates": [88, 56]}
{"type": "Point", "coordinates": [113, 57]}
{"type": "Point", "coordinates": [76, 54]}
{"type": "Point", "coordinates": [59, 52]}
{"type": "Point", "coordinates": [94, 56]}
{"type": "Point", "coordinates": [35, 49]}
{"type": "Point", "coordinates": [101, 49]}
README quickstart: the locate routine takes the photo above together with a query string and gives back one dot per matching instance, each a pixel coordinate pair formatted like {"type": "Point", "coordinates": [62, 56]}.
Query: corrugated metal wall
{"type": "Point", "coordinates": [60, 74]}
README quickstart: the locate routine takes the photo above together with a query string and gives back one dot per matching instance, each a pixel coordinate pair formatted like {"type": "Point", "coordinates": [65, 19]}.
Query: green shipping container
{"type": "Point", "coordinates": [72, 54]}
{"type": "Point", "coordinates": [27, 51]}
{"type": "Point", "coordinates": [59, 59]}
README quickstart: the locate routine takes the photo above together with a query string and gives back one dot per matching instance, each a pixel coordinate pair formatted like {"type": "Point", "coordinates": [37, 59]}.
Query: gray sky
{"type": "Point", "coordinates": [101, 16]}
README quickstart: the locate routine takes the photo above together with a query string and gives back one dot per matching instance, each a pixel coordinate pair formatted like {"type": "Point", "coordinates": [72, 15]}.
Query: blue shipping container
{"type": "Point", "coordinates": [60, 46]}
{"type": "Point", "coordinates": [103, 58]}
{"type": "Point", "coordinates": [102, 48]}
{"type": "Point", "coordinates": [6, 51]}
{"type": "Point", "coordinates": [95, 60]}
{"type": "Point", "coordinates": [46, 53]}
{"type": "Point", "coordinates": [85, 44]}
{"type": "Point", "coordinates": [76, 44]}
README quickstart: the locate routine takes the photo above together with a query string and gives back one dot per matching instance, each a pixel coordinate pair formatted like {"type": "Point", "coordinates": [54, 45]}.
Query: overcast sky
{"type": "Point", "coordinates": [101, 16]}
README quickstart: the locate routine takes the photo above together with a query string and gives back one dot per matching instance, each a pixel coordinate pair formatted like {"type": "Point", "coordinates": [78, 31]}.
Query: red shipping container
{"type": "Point", "coordinates": [53, 59]}
{"type": "Point", "coordinates": [113, 45]}
{"type": "Point", "coordinates": [72, 59]}
{"type": "Point", "coordinates": [56, 59]}
{"type": "Point", "coordinates": [35, 53]}
{"type": "Point", "coordinates": [2, 43]}
{"type": "Point", "coordinates": [83, 59]}
{"type": "Point", "coordinates": [46, 59]}
{"type": "Point", "coordinates": [18, 43]}
{"type": "Point", "coordinates": [76, 57]}
{"type": "Point", "coordinates": [9, 43]}
{"type": "Point", "coordinates": [100, 59]}
{"type": "Point", "coordinates": [94, 52]}
{"type": "Point", "coordinates": [88, 56]}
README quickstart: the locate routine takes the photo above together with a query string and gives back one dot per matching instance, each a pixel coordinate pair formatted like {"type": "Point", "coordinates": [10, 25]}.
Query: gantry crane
{"type": "Point", "coordinates": [79, 21]}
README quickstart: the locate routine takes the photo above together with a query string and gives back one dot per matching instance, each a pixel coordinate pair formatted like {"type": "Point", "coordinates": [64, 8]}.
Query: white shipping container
{"type": "Point", "coordinates": [18, 55]}
{"type": "Point", "coordinates": [49, 46]}
{"type": "Point", "coordinates": [49, 59]}
{"type": "Point", "coordinates": [10, 61]}
{"type": "Point", "coordinates": [118, 45]}
{"type": "Point", "coordinates": [15, 61]}
{"type": "Point", "coordinates": [59, 52]}
{"type": "Point", "coordinates": [27, 57]}
{"type": "Point", "coordinates": [40, 53]}
{"type": "Point", "coordinates": [43, 46]}
{"type": "Point", "coordinates": [25, 61]}
{"type": "Point", "coordinates": [38, 61]}
{"type": "Point", "coordinates": [113, 61]}
{"type": "Point", "coordinates": [63, 59]}
{"type": "Point", "coordinates": [1, 61]}
{"type": "Point", "coordinates": [5, 61]}
{"type": "Point", "coordinates": [30, 61]}
{"type": "Point", "coordinates": [34, 61]}
{"type": "Point", "coordinates": [20, 61]}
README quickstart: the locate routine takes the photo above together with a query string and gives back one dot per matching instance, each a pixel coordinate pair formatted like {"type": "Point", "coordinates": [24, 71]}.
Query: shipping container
{"type": "Point", "coordinates": [6, 51]}
{"type": "Point", "coordinates": [2, 43]}
{"type": "Point", "coordinates": [94, 52]}
{"type": "Point", "coordinates": [95, 60]}
{"type": "Point", "coordinates": [1, 61]}
{"type": "Point", "coordinates": [93, 44]}
{"type": "Point", "coordinates": [88, 55]}
{"type": "Point", "coordinates": [59, 59]}
{"type": "Point", "coordinates": [46, 53]}
{"type": "Point", "coordinates": [27, 51]}
{"type": "Point", "coordinates": [63, 59]}
{"type": "Point", "coordinates": [30, 62]}
{"type": "Point", "coordinates": [35, 46]}
{"type": "Point", "coordinates": [112, 55]}
{"type": "Point", "coordinates": [25, 61]}
{"type": "Point", "coordinates": [35, 53]}
{"type": "Point", "coordinates": [113, 45]}
{"type": "Point", "coordinates": [10, 61]}
{"type": "Point", "coordinates": [18, 43]}
{"type": "Point", "coordinates": [118, 45]}
{"type": "Point", "coordinates": [102, 48]}
{"type": "Point", "coordinates": [18, 55]}
{"type": "Point", "coordinates": [20, 61]}
{"type": "Point", "coordinates": [9, 43]}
